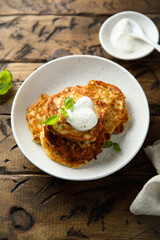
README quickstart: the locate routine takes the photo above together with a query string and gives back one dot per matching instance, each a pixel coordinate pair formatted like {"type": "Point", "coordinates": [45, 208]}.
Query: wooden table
{"type": "Point", "coordinates": [34, 205]}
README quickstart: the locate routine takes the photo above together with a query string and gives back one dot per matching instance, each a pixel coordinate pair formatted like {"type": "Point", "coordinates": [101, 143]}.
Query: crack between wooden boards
{"type": "Point", "coordinates": [70, 15]}
{"type": "Point", "coordinates": [35, 174]}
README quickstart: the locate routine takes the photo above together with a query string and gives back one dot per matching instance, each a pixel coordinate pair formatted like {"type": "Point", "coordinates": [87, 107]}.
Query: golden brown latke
{"type": "Point", "coordinates": [65, 144]}
{"type": "Point", "coordinates": [62, 127]}
{"type": "Point", "coordinates": [68, 152]}
{"type": "Point", "coordinates": [35, 116]}
{"type": "Point", "coordinates": [117, 113]}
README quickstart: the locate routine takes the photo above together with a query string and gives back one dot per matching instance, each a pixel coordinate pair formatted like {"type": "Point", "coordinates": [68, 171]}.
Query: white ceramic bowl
{"type": "Point", "coordinates": [70, 71]}
{"type": "Point", "coordinates": [146, 24]}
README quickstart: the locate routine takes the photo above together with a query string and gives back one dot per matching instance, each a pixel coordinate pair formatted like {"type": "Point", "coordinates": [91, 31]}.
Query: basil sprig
{"type": "Point", "coordinates": [5, 81]}
{"type": "Point", "coordinates": [117, 147]}
{"type": "Point", "coordinates": [52, 120]}
{"type": "Point", "coordinates": [114, 144]}
{"type": "Point", "coordinates": [108, 144]}
{"type": "Point", "coordinates": [69, 104]}
{"type": "Point", "coordinates": [64, 112]}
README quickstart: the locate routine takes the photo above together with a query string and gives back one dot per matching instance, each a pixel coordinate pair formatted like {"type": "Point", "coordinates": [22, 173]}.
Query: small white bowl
{"type": "Point", "coordinates": [146, 24]}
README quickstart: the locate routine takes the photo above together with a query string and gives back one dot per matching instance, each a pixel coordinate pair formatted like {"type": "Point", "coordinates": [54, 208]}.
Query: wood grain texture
{"type": "Point", "coordinates": [50, 208]}
{"type": "Point", "coordinates": [42, 38]}
{"type": "Point", "coordinates": [77, 6]}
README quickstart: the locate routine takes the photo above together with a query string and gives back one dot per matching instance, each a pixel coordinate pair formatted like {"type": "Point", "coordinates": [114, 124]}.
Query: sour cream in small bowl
{"type": "Point", "coordinates": [115, 38]}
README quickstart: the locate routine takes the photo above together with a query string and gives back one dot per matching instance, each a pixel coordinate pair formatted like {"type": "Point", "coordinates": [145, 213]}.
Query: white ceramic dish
{"type": "Point", "coordinates": [70, 71]}
{"type": "Point", "coordinates": [143, 48]}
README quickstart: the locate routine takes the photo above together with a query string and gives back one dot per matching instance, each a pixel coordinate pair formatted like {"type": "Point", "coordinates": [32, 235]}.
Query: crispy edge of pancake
{"type": "Point", "coordinates": [120, 128]}
{"type": "Point", "coordinates": [115, 95]}
{"type": "Point", "coordinates": [53, 155]}
{"type": "Point", "coordinates": [62, 127]}
{"type": "Point", "coordinates": [35, 116]}
{"type": "Point", "coordinates": [71, 153]}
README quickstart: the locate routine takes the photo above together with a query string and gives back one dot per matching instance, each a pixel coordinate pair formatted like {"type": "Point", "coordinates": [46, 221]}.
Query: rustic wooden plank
{"type": "Point", "coordinates": [49, 208]}
{"type": "Point", "coordinates": [77, 6]}
{"type": "Point", "coordinates": [13, 161]}
{"type": "Point", "coordinates": [20, 71]}
{"type": "Point", "coordinates": [42, 38]}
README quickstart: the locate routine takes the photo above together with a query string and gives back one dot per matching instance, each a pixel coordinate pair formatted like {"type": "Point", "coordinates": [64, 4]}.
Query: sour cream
{"type": "Point", "coordinates": [121, 38]}
{"type": "Point", "coordinates": [82, 117]}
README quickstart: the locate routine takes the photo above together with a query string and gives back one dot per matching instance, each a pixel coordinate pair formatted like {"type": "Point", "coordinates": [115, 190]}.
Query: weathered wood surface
{"type": "Point", "coordinates": [33, 204]}
{"type": "Point", "coordinates": [48, 208]}
{"type": "Point", "coordinates": [100, 7]}
{"type": "Point", "coordinates": [42, 38]}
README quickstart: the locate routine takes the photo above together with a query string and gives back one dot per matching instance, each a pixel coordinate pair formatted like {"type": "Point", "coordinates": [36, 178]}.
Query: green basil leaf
{"type": "Point", "coordinates": [52, 120]}
{"type": "Point", "coordinates": [117, 147]}
{"type": "Point", "coordinates": [108, 144]}
{"type": "Point", "coordinates": [69, 103]}
{"type": "Point", "coordinates": [5, 81]}
{"type": "Point", "coordinates": [64, 112]}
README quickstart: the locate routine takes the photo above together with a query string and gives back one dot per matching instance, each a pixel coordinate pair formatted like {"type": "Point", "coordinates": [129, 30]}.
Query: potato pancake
{"type": "Point", "coordinates": [35, 116]}
{"type": "Point", "coordinates": [68, 152]}
{"type": "Point", "coordinates": [62, 127]}
{"type": "Point", "coordinates": [63, 143]}
{"type": "Point", "coordinates": [117, 113]}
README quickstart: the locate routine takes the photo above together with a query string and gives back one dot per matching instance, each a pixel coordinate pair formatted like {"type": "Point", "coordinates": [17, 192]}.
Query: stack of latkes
{"type": "Point", "coordinates": [61, 141]}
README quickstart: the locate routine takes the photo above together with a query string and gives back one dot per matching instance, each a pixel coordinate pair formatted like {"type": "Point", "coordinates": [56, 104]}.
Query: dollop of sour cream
{"type": "Point", "coordinates": [121, 38]}
{"type": "Point", "coordinates": [82, 117]}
